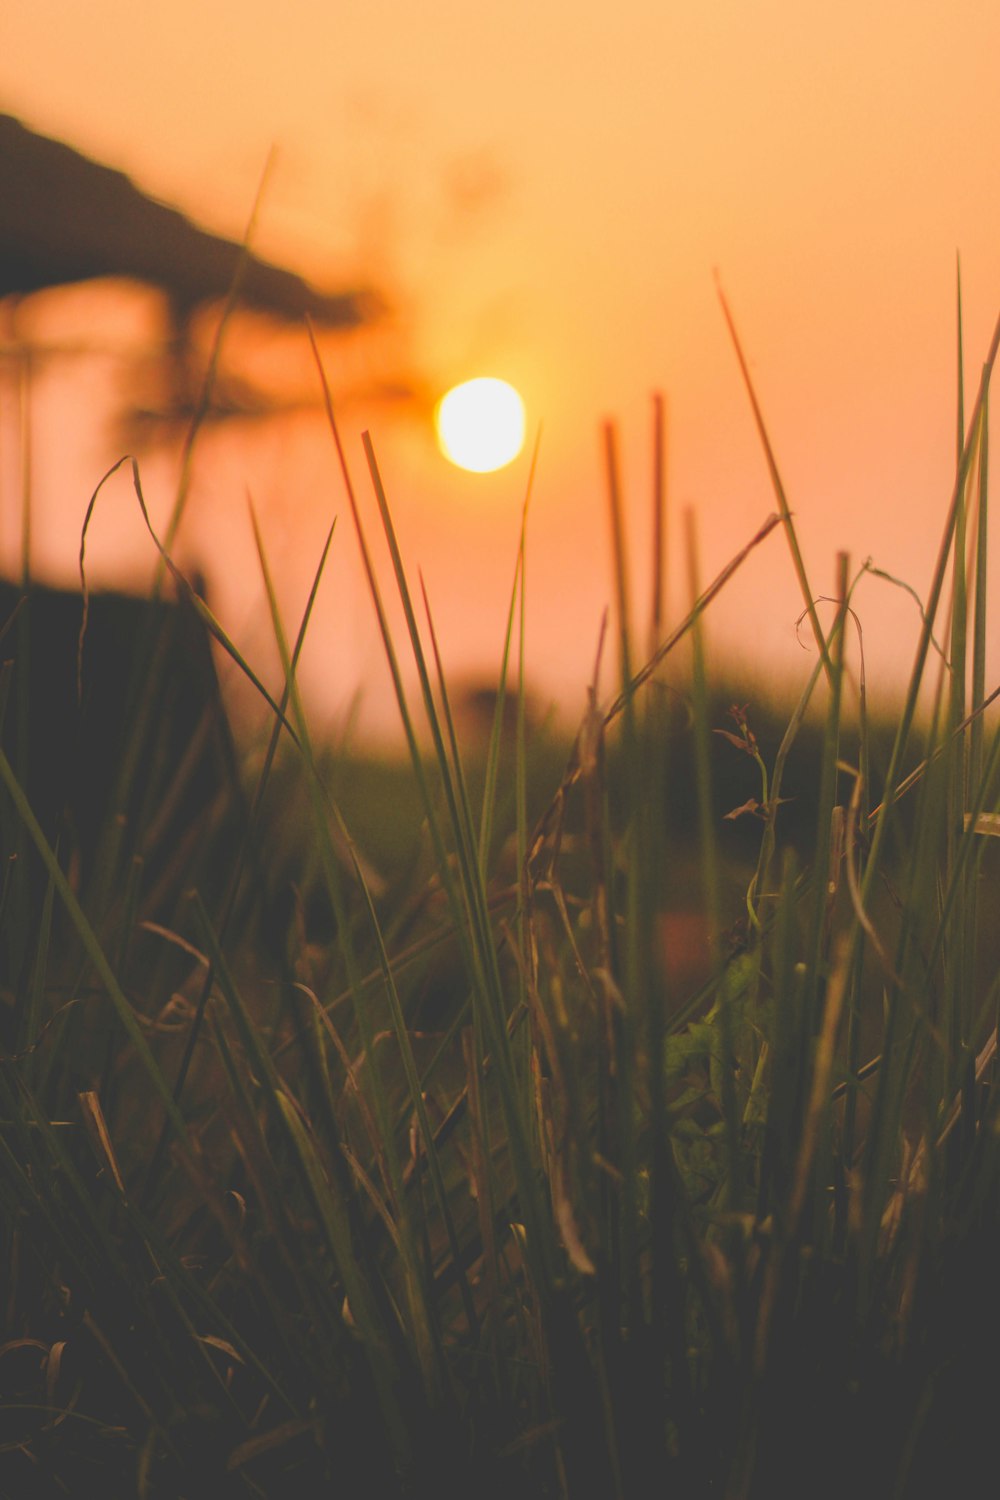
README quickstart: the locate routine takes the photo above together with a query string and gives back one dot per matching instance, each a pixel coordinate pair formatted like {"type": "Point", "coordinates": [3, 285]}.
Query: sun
{"type": "Point", "coordinates": [480, 424]}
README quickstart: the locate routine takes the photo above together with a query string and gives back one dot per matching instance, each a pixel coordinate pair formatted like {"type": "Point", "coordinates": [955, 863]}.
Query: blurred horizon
{"type": "Point", "coordinates": [544, 195]}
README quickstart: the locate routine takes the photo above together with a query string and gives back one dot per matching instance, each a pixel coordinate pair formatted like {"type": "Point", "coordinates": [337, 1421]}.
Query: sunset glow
{"type": "Point", "coordinates": [560, 229]}
{"type": "Point", "coordinates": [480, 424]}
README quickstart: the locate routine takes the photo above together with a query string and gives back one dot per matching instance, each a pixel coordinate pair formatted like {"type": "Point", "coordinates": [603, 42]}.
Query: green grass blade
{"type": "Point", "coordinates": [493, 754]}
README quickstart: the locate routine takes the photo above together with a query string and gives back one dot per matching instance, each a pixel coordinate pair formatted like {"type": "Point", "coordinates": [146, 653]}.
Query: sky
{"type": "Point", "coordinates": [546, 191]}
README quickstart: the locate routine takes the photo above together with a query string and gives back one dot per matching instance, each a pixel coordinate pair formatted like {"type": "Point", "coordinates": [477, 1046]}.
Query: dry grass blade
{"type": "Point", "coordinates": [212, 368]}
{"type": "Point", "coordinates": [779, 489]}
{"type": "Point", "coordinates": [703, 602]}
{"type": "Point", "coordinates": [549, 818]}
{"type": "Point", "coordinates": [97, 1129]}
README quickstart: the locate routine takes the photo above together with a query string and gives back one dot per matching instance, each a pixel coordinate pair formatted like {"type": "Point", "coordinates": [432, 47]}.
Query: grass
{"type": "Point", "coordinates": [609, 1124]}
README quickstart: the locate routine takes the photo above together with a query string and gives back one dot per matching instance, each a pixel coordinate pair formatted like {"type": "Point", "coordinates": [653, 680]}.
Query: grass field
{"type": "Point", "coordinates": [517, 1121]}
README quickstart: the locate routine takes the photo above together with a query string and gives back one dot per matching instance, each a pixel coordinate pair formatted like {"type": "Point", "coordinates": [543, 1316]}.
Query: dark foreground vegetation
{"type": "Point", "coordinates": [611, 1120]}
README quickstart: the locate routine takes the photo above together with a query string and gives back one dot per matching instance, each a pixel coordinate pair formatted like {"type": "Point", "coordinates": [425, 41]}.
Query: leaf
{"type": "Point", "coordinates": [688, 1048]}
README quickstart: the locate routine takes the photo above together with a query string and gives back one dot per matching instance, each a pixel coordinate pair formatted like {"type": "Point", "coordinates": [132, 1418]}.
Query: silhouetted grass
{"type": "Point", "coordinates": [518, 1122]}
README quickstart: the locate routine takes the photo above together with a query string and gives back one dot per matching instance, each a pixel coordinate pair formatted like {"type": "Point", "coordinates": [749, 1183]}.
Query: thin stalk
{"type": "Point", "coordinates": [211, 374]}
{"type": "Point", "coordinates": [633, 978]}
{"type": "Point", "coordinates": [710, 880]}
{"type": "Point", "coordinates": [660, 558]}
{"type": "Point", "coordinates": [493, 755]}
{"type": "Point", "coordinates": [778, 487]}
{"type": "Point", "coordinates": [819, 931]}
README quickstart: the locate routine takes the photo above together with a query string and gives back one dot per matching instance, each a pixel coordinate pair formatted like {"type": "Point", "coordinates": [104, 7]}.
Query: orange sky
{"type": "Point", "coordinates": [545, 190]}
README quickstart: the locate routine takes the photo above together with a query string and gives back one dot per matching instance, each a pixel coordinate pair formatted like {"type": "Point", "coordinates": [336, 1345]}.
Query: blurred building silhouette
{"type": "Point", "coordinates": [140, 691]}
{"type": "Point", "coordinates": [66, 219]}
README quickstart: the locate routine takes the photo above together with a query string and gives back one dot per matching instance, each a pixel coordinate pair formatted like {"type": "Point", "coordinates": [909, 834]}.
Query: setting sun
{"type": "Point", "coordinates": [480, 424]}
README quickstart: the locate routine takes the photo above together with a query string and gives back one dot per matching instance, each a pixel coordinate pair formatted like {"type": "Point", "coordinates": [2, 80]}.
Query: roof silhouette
{"type": "Point", "coordinates": [66, 218]}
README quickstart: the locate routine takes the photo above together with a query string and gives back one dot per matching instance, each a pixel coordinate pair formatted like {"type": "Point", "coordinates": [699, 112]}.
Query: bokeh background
{"type": "Point", "coordinates": [543, 192]}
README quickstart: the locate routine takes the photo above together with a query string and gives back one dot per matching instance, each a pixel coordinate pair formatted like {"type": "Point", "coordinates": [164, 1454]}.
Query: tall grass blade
{"type": "Point", "coordinates": [211, 375]}
{"type": "Point", "coordinates": [776, 483]}
{"type": "Point", "coordinates": [493, 755]}
{"type": "Point", "coordinates": [660, 531]}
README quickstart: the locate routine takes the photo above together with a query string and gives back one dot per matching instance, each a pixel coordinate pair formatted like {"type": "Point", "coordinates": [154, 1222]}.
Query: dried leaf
{"type": "Point", "coordinates": [222, 1344]}
{"type": "Point", "coordinates": [568, 1229]}
{"type": "Point", "coordinates": [751, 805]}
{"type": "Point", "coordinates": [735, 739]}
